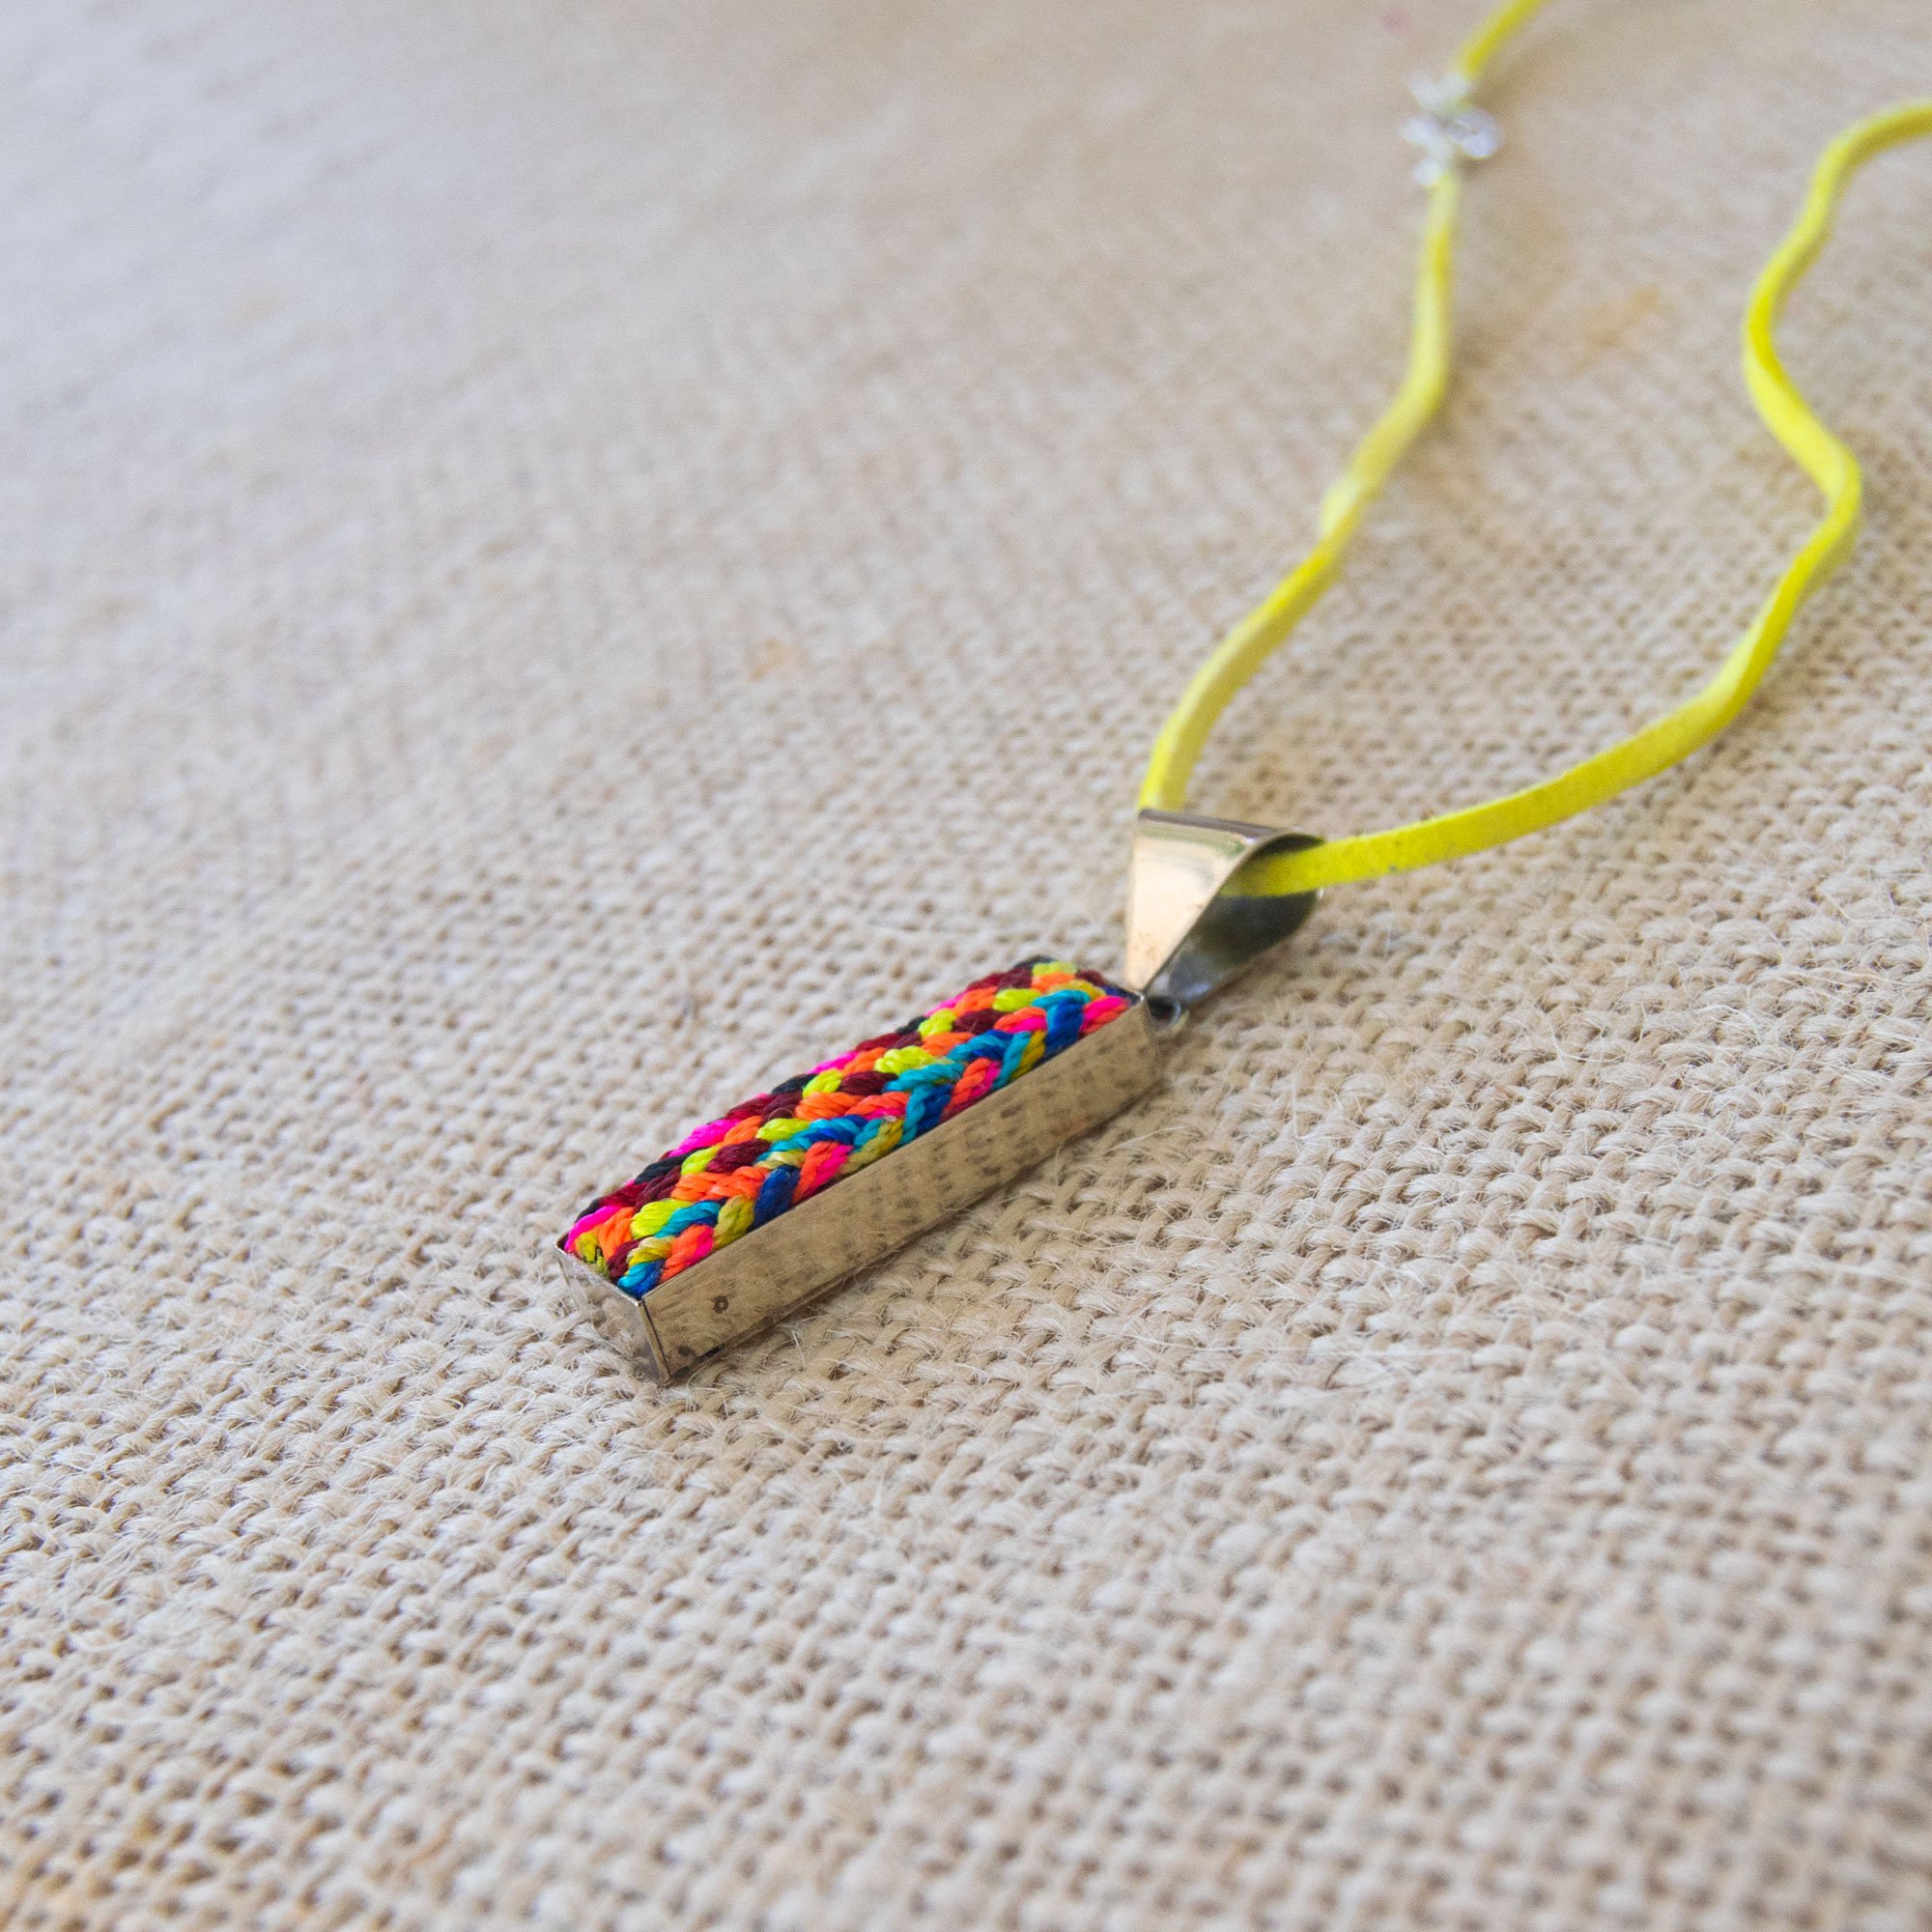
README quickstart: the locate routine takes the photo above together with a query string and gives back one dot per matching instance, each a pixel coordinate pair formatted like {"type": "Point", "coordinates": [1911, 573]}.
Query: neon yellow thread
{"type": "Point", "coordinates": [883, 1143]}
{"type": "Point", "coordinates": [1679, 732]}
{"type": "Point", "coordinates": [651, 1216]}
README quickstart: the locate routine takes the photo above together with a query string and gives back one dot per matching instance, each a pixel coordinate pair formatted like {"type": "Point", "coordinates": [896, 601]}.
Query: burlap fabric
{"type": "Point", "coordinates": [559, 561]}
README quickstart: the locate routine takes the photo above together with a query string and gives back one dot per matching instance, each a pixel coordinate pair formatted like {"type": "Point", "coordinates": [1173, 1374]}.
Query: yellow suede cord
{"type": "Point", "coordinates": [1678, 732]}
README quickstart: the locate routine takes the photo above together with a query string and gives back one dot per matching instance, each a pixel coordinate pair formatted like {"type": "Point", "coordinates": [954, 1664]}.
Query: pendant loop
{"type": "Point", "coordinates": [1185, 934]}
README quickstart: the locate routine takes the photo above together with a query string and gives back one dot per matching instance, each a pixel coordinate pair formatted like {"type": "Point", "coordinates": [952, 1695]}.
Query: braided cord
{"type": "Point", "coordinates": [1679, 732]}
{"type": "Point", "coordinates": [778, 1148]}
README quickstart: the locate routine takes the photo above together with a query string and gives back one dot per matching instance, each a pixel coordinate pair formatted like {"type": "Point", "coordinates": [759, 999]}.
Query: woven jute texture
{"type": "Point", "coordinates": [560, 561]}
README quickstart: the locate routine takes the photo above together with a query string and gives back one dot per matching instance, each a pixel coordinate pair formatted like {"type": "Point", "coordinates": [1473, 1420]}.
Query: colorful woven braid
{"type": "Point", "coordinates": [778, 1148]}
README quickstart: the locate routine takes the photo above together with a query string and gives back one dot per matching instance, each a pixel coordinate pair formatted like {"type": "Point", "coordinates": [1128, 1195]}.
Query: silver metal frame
{"type": "Point", "coordinates": [777, 1269]}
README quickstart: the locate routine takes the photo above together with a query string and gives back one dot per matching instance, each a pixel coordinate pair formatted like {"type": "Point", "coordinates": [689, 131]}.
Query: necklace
{"type": "Point", "coordinates": [758, 1212]}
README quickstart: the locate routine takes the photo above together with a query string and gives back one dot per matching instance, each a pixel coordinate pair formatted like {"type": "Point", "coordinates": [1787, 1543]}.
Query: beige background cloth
{"type": "Point", "coordinates": [562, 561]}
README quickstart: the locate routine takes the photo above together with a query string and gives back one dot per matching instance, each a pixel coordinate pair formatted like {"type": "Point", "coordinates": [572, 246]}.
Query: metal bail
{"type": "Point", "coordinates": [1187, 936]}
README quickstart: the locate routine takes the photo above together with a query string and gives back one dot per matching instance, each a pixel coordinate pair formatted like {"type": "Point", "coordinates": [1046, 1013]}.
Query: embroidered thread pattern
{"type": "Point", "coordinates": [778, 1148]}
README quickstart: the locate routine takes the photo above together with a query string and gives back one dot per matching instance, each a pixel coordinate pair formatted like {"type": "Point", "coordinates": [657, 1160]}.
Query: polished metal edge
{"type": "Point", "coordinates": [777, 1269]}
{"type": "Point", "coordinates": [1187, 933]}
{"type": "Point", "coordinates": [577, 1273]}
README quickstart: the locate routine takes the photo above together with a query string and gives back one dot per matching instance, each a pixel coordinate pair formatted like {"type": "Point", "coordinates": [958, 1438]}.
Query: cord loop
{"type": "Point", "coordinates": [1680, 731]}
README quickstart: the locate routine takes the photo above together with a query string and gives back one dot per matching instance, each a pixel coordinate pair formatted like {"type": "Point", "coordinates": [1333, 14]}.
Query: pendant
{"type": "Point", "coordinates": [758, 1212]}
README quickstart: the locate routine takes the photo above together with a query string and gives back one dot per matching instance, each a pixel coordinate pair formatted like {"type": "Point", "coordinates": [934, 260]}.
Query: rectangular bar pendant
{"type": "Point", "coordinates": [795, 1190]}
